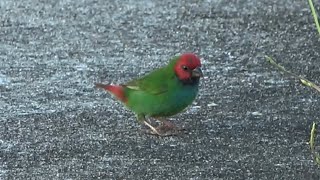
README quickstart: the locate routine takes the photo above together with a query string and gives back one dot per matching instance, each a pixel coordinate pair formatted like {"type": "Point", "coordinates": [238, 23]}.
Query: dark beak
{"type": "Point", "coordinates": [197, 72]}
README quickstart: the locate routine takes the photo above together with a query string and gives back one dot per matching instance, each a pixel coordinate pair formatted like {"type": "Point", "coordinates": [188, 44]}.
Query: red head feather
{"type": "Point", "coordinates": [185, 65]}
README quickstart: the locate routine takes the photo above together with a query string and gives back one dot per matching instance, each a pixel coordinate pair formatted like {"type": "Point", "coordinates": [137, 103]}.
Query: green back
{"type": "Point", "coordinates": [157, 81]}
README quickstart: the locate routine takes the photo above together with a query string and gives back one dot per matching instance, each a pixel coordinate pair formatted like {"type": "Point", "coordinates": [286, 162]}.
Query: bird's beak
{"type": "Point", "coordinates": [197, 72]}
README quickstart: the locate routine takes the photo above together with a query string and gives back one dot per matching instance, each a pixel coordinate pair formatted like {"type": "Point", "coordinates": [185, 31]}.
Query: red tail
{"type": "Point", "coordinates": [118, 91]}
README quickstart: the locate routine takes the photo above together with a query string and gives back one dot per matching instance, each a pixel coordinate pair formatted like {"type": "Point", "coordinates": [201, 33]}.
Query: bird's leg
{"type": "Point", "coordinates": [154, 130]}
{"type": "Point", "coordinates": [151, 122]}
{"type": "Point", "coordinates": [166, 129]}
{"type": "Point", "coordinates": [142, 118]}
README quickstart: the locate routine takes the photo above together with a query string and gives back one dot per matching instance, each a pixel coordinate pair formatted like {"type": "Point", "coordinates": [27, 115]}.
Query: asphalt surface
{"type": "Point", "coordinates": [248, 122]}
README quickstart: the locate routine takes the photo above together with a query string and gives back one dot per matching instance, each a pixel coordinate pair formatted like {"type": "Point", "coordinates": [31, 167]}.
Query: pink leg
{"type": "Point", "coordinates": [167, 128]}
{"type": "Point", "coordinates": [154, 130]}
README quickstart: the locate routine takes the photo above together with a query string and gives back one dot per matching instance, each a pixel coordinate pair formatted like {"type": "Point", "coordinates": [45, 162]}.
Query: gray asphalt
{"type": "Point", "coordinates": [248, 122]}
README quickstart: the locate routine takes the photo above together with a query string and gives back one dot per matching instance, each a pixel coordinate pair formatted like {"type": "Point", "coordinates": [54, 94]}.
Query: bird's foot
{"type": "Point", "coordinates": [170, 129]}
{"type": "Point", "coordinates": [164, 133]}
{"type": "Point", "coordinates": [166, 129]}
{"type": "Point", "coordinates": [153, 129]}
{"type": "Point", "coordinates": [168, 125]}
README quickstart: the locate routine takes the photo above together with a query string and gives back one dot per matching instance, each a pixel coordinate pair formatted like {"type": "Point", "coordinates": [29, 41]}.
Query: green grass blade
{"type": "Point", "coordinates": [304, 81]}
{"type": "Point", "coordinates": [309, 84]}
{"type": "Point", "coordinates": [312, 136]}
{"type": "Point", "coordinates": [315, 16]}
{"type": "Point", "coordinates": [312, 143]}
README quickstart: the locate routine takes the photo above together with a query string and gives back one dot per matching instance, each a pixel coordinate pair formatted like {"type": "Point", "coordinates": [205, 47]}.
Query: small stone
{"type": "Point", "coordinates": [212, 104]}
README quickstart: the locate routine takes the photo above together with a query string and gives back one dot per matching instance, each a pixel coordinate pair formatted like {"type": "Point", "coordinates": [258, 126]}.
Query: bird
{"type": "Point", "coordinates": [162, 93]}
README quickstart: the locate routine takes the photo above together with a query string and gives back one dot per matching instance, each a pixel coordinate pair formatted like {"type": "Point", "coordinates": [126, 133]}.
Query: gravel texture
{"type": "Point", "coordinates": [248, 122]}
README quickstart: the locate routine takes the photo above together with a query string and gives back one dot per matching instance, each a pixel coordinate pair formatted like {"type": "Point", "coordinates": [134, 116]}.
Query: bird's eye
{"type": "Point", "coordinates": [185, 68]}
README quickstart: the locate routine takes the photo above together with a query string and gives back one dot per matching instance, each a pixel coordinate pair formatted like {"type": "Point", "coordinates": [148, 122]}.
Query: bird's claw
{"type": "Point", "coordinates": [164, 130]}
{"type": "Point", "coordinates": [164, 133]}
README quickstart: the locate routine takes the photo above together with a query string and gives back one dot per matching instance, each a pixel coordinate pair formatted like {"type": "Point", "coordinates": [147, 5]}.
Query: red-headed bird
{"type": "Point", "coordinates": [162, 93]}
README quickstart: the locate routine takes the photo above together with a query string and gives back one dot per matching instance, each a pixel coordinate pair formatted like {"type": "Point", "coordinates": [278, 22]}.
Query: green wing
{"type": "Point", "coordinates": [154, 83]}
{"type": "Point", "coordinates": [157, 82]}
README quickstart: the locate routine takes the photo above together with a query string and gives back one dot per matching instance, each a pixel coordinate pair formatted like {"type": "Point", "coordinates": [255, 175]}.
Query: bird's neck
{"type": "Point", "coordinates": [194, 81]}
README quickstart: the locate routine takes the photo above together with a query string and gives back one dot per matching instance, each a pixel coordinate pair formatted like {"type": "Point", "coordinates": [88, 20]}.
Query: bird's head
{"type": "Point", "coordinates": [187, 67]}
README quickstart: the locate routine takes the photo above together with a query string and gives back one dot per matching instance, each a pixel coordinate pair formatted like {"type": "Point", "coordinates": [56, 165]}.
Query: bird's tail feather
{"type": "Point", "coordinates": [116, 90]}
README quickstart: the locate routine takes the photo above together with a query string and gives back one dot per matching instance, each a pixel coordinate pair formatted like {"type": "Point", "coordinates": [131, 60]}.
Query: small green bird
{"type": "Point", "coordinates": [162, 93]}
